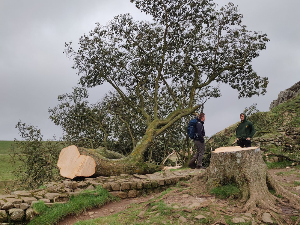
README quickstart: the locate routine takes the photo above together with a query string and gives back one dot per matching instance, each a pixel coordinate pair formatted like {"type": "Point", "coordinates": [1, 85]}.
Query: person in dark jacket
{"type": "Point", "coordinates": [244, 132]}
{"type": "Point", "coordinates": [199, 143]}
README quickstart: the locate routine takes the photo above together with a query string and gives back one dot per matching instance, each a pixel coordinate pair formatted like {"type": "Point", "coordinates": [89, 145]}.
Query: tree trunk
{"type": "Point", "coordinates": [81, 162]}
{"type": "Point", "coordinates": [246, 168]}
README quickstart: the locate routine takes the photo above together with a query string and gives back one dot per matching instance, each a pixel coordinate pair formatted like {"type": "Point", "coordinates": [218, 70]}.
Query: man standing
{"type": "Point", "coordinates": [199, 143]}
{"type": "Point", "coordinates": [244, 132]}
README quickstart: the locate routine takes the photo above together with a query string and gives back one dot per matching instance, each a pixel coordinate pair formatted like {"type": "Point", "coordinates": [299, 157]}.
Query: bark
{"type": "Point", "coordinates": [246, 168]}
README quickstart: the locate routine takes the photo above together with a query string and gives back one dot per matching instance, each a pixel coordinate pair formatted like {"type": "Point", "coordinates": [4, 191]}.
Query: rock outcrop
{"type": "Point", "coordinates": [286, 95]}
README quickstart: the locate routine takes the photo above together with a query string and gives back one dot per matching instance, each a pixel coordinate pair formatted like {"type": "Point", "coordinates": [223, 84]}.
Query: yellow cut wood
{"type": "Point", "coordinates": [72, 164]}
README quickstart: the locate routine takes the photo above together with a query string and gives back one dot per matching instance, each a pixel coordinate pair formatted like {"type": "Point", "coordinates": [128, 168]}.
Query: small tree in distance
{"type": "Point", "coordinates": [178, 59]}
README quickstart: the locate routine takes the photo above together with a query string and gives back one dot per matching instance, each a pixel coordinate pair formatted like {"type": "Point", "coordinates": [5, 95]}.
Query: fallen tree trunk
{"type": "Point", "coordinates": [245, 167]}
{"type": "Point", "coordinates": [81, 162]}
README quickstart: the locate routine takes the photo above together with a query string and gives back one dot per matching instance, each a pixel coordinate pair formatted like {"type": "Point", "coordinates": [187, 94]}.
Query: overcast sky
{"type": "Point", "coordinates": [34, 70]}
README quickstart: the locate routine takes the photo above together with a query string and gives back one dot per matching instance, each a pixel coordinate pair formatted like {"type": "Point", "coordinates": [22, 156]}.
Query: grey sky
{"type": "Point", "coordinates": [34, 70]}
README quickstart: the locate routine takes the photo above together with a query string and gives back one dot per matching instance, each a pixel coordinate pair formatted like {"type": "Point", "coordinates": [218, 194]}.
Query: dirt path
{"type": "Point", "coordinates": [288, 177]}
{"type": "Point", "coordinates": [106, 210]}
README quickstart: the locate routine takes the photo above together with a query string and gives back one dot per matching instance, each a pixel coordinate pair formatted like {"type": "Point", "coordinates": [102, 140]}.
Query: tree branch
{"type": "Point", "coordinates": [161, 66]}
{"type": "Point", "coordinates": [174, 118]}
{"type": "Point", "coordinates": [129, 130]}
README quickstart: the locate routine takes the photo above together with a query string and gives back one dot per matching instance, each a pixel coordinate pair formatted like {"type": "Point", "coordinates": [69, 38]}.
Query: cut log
{"type": "Point", "coordinates": [72, 164]}
{"type": "Point", "coordinates": [81, 162]}
{"type": "Point", "coordinates": [246, 168]}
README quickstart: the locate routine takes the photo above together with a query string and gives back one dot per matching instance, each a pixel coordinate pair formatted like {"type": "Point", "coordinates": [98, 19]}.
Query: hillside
{"type": "Point", "coordinates": [277, 131]}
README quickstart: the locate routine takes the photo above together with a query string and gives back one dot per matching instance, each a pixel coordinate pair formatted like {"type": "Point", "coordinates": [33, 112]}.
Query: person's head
{"type": "Point", "coordinates": [242, 116]}
{"type": "Point", "coordinates": [201, 116]}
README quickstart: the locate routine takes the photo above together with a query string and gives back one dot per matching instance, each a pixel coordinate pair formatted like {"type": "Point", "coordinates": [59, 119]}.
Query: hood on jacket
{"type": "Point", "coordinates": [245, 117]}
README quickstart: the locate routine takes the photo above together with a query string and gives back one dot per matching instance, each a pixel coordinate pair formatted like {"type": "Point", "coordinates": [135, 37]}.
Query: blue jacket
{"type": "Point", "coordinates": [200, 131]}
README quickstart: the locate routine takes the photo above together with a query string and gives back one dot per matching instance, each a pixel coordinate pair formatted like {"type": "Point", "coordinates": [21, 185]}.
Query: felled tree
{"type": "Point", "coordinates": [188, 49]}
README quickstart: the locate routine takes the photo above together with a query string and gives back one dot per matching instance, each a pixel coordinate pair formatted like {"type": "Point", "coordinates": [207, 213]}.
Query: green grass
{"type": "Point", "coordinates": [278, 165]}
{"type": "Point", "coordinates": [76, 205]}
{"type": "Point", "coordinates": [7, 167]}
{"type": "Point", "coordinates": [7, 177]}
{"type": "Point", "coordinates": [5, 147]}
{"type": "Point", "coordinates": [226, 191]}
{"type": "Point", "coordinates": [273, 192]}
{"type": "Point", "coordinates": [296, 183]}
{"type": "Point", "coordinates": [294, 218]}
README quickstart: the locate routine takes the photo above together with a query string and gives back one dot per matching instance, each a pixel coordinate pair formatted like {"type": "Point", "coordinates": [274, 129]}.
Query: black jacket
{"type": "Point", "coordinates": [200, 131]}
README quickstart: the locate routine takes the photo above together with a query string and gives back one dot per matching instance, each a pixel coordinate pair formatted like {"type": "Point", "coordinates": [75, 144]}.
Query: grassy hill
{"type": "Point", "coordinates": [277, 131]}
{"type": "Point", "coordinates": [6, 166]}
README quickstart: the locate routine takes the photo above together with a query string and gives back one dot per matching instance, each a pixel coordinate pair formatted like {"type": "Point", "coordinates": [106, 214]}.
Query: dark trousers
{"type": "Point", "coordinates": [199, 155]}
{"type": "Point", "coordinates": [244, 143]}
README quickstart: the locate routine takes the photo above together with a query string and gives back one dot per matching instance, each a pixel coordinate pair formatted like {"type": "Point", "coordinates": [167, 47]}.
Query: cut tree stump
{"type": "Point", "coordinates": [246, 168]}
{"type": "Point", "coordinates": [72, 164]}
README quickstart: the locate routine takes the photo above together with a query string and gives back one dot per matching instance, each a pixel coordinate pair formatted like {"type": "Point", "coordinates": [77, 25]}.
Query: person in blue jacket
{"type": "Point", "coordinates": [199, 143]}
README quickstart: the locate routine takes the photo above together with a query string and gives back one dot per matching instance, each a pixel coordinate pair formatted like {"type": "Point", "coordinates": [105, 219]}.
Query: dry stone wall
{"type": "Point", "coordinates": [287, 139]}
{"type": "Point", "coordinates": [16, 207]}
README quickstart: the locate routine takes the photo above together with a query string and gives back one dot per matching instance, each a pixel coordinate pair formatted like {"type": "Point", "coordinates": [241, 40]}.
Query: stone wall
{"type": "Point", "coordinates": [16, 207]}
{"type": "Point", "coordinates": [286, 95]}
{"type": "Point", "coordinates": [287, 140]}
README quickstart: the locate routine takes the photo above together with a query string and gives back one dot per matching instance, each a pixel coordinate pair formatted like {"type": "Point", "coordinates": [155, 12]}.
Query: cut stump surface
{"type": "Point", "coordinates": [72, 164]}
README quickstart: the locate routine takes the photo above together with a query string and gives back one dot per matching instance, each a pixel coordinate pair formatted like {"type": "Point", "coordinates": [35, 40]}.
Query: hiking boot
{"type": "Point", "coordinates": [201, 167]}
{"type": "Point", "coordinates": [192, 164]}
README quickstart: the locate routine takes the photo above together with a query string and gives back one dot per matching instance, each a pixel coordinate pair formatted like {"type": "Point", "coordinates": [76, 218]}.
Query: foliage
{"type": "Point", "coordinates": [118, 129]}
{"type": "Point", "coordinates": [77, 204]}
{"type": "Point", "coordinates": [252, 109]}
{"type": "Point", "coordinates": [83, 125]}
{"type": "Point", "coordinates": [108, 123]}
{"type": "Point", "coordinates": [226, 191]}
{"type": "Point", "coordinates": [38, 158]}
{"type": "Point", "coordinates": [164, 70]}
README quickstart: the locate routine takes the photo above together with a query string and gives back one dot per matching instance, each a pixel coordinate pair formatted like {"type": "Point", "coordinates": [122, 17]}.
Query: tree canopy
{"type": "Point", "coordinates": [166, 68]}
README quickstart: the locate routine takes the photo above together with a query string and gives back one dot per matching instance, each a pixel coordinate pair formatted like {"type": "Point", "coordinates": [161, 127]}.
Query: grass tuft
{"type": "Point", "coordinates": [278, 165]}
{"type": "Point", "coordinates": [226, 191]}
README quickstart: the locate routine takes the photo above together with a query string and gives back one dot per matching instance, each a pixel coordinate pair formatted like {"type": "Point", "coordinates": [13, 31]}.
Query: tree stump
{"type": "Point", "coordinates": [246, 168]}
